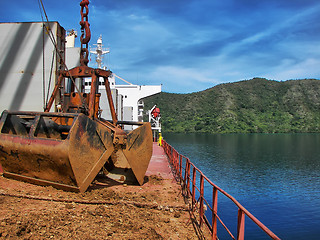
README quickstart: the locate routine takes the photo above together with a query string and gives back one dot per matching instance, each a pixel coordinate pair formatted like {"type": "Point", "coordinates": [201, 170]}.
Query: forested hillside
{"type": "Point", "coordinates": [257, 105]}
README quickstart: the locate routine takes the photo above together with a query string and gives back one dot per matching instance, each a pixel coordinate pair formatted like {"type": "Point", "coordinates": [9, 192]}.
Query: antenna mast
{"type": "Point", "coordinates": [99, 52]}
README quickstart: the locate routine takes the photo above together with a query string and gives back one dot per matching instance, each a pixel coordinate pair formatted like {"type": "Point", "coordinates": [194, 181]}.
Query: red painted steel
{"type": "Point", "coordinates": [201, 200]}
{"type": "Point", "coordinates": [241, 223]}
{"type": "Point", "coordinates": [176, 160]}
{"type": "Point", "coordinates": [180, 167]}
{"type": "Point", "coordinates": [194, 175]}
{"type": "Point", "coordinates": [214, 212]}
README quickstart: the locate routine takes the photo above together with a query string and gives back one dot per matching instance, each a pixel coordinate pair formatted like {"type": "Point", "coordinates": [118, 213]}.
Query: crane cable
{"type": "Point", "coordinates": [43, 64]}
{"type": "Point", "coordinates": [122, 79]}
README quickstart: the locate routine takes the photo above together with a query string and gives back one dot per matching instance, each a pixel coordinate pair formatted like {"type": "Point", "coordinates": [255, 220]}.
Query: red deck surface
{"type": "Point", "coordinates": [159, 164]}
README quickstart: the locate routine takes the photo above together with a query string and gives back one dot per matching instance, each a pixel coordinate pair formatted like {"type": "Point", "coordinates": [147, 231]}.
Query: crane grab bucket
{"type": "Point", "coordinates": [43, 148]}
{"type": "Point", "coordinates": [68, 149]}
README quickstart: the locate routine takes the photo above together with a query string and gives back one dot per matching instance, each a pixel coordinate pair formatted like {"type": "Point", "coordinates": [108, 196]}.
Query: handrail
{"type": "Point", "coordinates": [176, 161]}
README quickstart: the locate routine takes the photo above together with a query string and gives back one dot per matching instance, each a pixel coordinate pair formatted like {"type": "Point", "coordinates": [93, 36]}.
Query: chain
{"type": "Point", "coordinates": [85, 33]}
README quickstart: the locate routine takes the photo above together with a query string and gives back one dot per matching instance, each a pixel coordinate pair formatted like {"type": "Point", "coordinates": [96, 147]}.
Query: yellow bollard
{"type": "Point", "coordinates": [160, 140]}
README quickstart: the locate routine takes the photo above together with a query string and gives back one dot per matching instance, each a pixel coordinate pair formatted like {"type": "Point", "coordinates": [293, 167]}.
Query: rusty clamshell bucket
{"type": "Point", "coordinates": [64, 150]}
{"type": "Point", "coordinates": [67, 150]}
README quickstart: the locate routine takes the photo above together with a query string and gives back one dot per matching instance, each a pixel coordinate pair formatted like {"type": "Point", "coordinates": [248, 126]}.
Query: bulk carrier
{"type": "Point", "coordinates": [80, 163]}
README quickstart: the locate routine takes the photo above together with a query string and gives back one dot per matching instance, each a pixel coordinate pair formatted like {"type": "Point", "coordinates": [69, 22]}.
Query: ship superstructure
{"type": "Point", "coordinates": [127, 97]}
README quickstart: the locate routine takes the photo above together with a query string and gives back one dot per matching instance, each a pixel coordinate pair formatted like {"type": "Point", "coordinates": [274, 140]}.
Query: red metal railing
{"type": "Point", "coordinates": [187, 174]}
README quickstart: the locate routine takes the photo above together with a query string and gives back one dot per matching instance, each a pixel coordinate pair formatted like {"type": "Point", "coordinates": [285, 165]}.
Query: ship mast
{"type": "Point", "coordinates": [99, 52]}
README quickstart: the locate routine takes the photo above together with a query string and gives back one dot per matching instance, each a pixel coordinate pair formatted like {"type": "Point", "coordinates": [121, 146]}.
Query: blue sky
{"type": "Point", "coordinates": [192, 45]}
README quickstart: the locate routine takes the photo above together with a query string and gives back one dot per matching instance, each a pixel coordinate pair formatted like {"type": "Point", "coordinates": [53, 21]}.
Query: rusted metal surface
{"type": "Point", "coordinates": [75, 154]}
{"type": "Point", "coordinates": [49, 152]}
{"type": "Point", "coordinates": [190, 189]}
{"type": "Point", "coordinates": [111, 105]}
{"type": "Point", "coordinates": [85, 33]}
{"type": "Point", "coordinates": [139, 150]}
{"type": "Point", "coordinates": [132, 154]}
{"type": "Point", "coordinates": [75, 158]}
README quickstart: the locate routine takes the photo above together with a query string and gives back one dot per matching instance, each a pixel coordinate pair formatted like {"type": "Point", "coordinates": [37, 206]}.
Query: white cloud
{"type": "Point", "coordinates": [308, 68]}
{"type": "Point", "coordinates": [228, 45]}
{"type": "Point", "coordinates": [283, 21]}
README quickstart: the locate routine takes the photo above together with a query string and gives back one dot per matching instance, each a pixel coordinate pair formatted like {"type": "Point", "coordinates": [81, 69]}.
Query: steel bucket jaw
{"type": "Point", "coordinates": [39, 156]}
{"type": "Point", "coordinates": [130, 160]}
{"type": "Point", "coordinates": [138, 151]}
{"type": "Point", "coordinates": [91, 145]}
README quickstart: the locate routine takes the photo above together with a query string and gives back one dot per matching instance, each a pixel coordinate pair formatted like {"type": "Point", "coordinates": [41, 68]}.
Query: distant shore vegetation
{"type": "Point", "coordinates": [250, 106]}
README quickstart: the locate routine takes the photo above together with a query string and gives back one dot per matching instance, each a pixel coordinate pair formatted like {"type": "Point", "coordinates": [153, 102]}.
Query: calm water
{"type": "Point", "coordinates": [274, 176]}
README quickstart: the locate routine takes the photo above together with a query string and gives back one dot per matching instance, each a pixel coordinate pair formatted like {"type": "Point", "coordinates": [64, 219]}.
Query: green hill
{"type": "Point", "coordinates": [257, 105]}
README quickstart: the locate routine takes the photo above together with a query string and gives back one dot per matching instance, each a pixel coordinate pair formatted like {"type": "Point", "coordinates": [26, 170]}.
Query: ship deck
{"type": "Point", "coordinates": [159, 164]}
{"type": "Point", "coordinates": [155, 210]}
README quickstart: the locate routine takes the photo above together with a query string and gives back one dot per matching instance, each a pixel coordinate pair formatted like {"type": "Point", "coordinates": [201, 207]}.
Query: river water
{"type": "Point", "coordinates": [274, 176]}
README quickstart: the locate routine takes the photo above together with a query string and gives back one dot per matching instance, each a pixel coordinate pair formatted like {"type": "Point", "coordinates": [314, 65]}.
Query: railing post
{"type": "Point", "coordinates": [214, 212]}
{"type": "Point", "coordinates": [165, 147]}
{"type": "Point", "coordinates": [175, 161]}
{"type": "Point", "coordinates": [241, 222]}
{"type": "Point", "coordinates": [167, 150]}
{"type": "Point", "coordinates": [193, 187]}
{"type": "Point", "coordinates": [172, 157]}
{"type": "Point", "coordinates": [188, 176]}
{"type": "Point", "coordinates": [180, 165]}
{"type": "Point", "coordinates": [201, 211]}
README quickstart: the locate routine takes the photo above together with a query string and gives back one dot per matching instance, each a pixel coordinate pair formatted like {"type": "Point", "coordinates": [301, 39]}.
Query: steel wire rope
{"type": "Point", "coordinates": [43, 72]}
{"type": "Point", "coordinates": [45, 98]}
{"type": "Point", "coordinates": [122, 79]}
{"type": "Point", "coordinates": [43, 62]}
{"type": "Point", "coordinates": [50, 78]}
{"type": "Point", "coordinates": [51, 36]}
